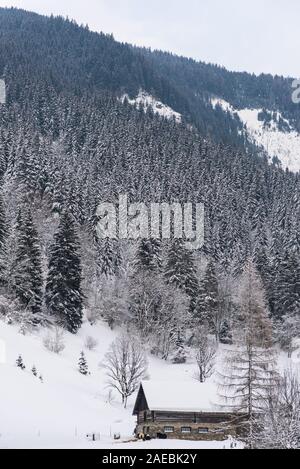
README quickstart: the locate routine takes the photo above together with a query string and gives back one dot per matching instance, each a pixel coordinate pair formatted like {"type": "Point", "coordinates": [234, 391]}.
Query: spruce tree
{"type": "Point", "coordinates": [3, 238]}
{"type": "Point", "coordinates": [28, 272]}
{"type": "Point", "coordinates": [287, 286]}
{"type": "Point", "coordinates": [108, 257]}
{"type": "Point", "coordinates": [149, 255]}
{"type": "Point", "coordinates": [108, 253]}
{"type": "Point", "coordinates": [64, 298]}
{"type": "Point", "coordinates": [82, 365]}
{"type": "Point", "coordinates": [180, 353]}
{"type": "Point", "coordinates": [180, 271]}
{"type": "Point", "coordinates": [208, 306]}
{"type": "Point", "coordinates": [20, 363]}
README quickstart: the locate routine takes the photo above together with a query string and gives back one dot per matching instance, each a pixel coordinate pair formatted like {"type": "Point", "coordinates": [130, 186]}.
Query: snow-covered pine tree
{"type": "Point", "coordinates": [82, 365]}
{"type": "Point", "coordinates": [28, 272]}
{"type": "Point", "coordinates": [108, 253]}
{"type": "Point", "coordinates": [208, 306]}
{"type": "Point", "coordinates": [109, 257]}
{"type": "Point", "coordinates": [249, 368]}
{"type": "Point", "coordinates": [287, 286]}
{"type": "Point", "coordinates": [225, 335]}
{"type": "Point", "coordinates": [34, 371]}
{"type": "Point", "coordinates": [180, 271]}
{"type": "Point", "coordinates": [64, 298]}
{"type": "Point", "coordinates": [180, 354]}
{"type": "Point", "coordinates": [287, 331]}
{"type": "Point", "coordinates": [27, 172]}
{"type": "Point", "coordinates": [149, 255]}
{"type": "Point", "coordinates": [3, 239]}
{"type": "Point", "coordinates": [20, 363]}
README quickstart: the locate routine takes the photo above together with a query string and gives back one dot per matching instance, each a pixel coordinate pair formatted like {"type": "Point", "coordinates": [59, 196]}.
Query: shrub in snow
{"type": "Point", "coordinates": [34, 371]}
{"type": "Point", "coordinates": [20, 363]}
{"type": "Point", "coordinates": [82, 365]}
{"type": "Point", "coordinates": [225, 333]}
{"type": "Point", "coordinates": [180, 355]}
{"type": "Point", "coordinates": [90, 343]}
{"type": "Point", "coordinates": [54, 342]}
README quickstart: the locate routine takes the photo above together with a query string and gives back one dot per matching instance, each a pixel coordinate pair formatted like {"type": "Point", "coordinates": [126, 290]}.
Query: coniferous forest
{"type": "Point", "coordinates": [67, 142]}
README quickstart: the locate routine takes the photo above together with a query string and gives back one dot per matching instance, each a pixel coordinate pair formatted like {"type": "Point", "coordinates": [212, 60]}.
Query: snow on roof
{"type": "Point", "coordinates": [182, 396]}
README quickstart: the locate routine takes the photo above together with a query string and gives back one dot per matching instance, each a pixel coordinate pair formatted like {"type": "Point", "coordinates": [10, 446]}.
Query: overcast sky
{"type": "Point", "coordinates": [252, 35]}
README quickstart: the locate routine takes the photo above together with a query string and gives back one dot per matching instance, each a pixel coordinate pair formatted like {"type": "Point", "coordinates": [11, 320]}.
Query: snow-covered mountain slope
{"type": "Point", "coordinates": [67, 405]}
{"type": "Point", "coordinates": [147, 101]}
{"type": "Point", "coordinates": [59, 412]}
{"type": "Point", "coordinates": [281, 144]}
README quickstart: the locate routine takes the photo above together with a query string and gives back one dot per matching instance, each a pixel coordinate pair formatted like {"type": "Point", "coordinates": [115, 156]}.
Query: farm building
{"type": "Point", "coordinates": [183, 411]}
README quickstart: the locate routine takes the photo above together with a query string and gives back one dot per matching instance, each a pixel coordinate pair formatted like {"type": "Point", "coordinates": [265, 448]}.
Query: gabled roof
{"type": "Point", "coordinates": [174, 396]}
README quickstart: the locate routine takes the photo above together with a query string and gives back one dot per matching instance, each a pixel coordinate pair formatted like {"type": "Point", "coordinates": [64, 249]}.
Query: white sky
{"type": "Point", "coordinates": [253, 35]}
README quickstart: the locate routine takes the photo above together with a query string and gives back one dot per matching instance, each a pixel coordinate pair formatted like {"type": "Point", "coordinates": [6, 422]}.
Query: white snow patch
{"type": "Point", "coordinates": [277, 143]}
{"type": "Point", "coordinates": [183, 396]}
{"type": "Point", "coordinates": [60, 412]}
{"type": "Point", "coordinates": [147, 101]}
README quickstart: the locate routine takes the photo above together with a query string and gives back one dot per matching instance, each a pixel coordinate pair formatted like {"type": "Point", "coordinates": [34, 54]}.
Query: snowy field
{"type": "Point", "coordinates": [67, 406]}
{"type": "Point", "coordinates": [62, 410]}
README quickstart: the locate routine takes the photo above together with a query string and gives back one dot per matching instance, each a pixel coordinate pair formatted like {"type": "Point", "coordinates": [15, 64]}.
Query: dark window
{"type": "Point", "coordinates": [169, 429]}
{"type": "Point", "coordinates": [203, 430]}
{"type": "Point", "coordinates": [186, 430]}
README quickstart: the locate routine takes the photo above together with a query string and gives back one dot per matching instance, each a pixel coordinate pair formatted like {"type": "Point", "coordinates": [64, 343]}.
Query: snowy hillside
{"type": "Point", "coordinates": [283, 144]}
{"type": "Point", "coordinates": [147, 101]}
{"type": "Point", "coordinates": [60, 411]}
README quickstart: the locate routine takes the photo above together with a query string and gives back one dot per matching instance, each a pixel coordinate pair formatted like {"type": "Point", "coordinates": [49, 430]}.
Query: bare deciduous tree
{"type": "Point", "coordinates": [249, 372]}
{"type": "Point", "coordinates": [206, 350]}
{"type": "Point", "coordinates": [126, 366]}
{"type": "Point", "coordinates": [279, 425]}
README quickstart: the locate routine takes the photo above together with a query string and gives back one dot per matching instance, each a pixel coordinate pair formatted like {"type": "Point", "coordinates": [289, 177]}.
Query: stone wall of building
{"type": "Point", "coordinates": [214, 432]}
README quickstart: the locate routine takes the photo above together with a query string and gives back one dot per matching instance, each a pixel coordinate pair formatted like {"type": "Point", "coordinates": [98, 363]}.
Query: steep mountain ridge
{"type": "Point", "coordinates": [32, 45]}
{"type": "Point", "coordinates": [86, 120]}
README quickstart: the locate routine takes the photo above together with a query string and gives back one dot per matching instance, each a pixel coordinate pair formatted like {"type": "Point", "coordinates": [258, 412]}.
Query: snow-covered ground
{"type": "Point", "coordinates": [147, 101]}
{"type": "Point", "coordinates": [67, 406]}
{"type": "Point", "coordinates": [277, 143]}
{"type": "Point", "coordinates": [59, 412]}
